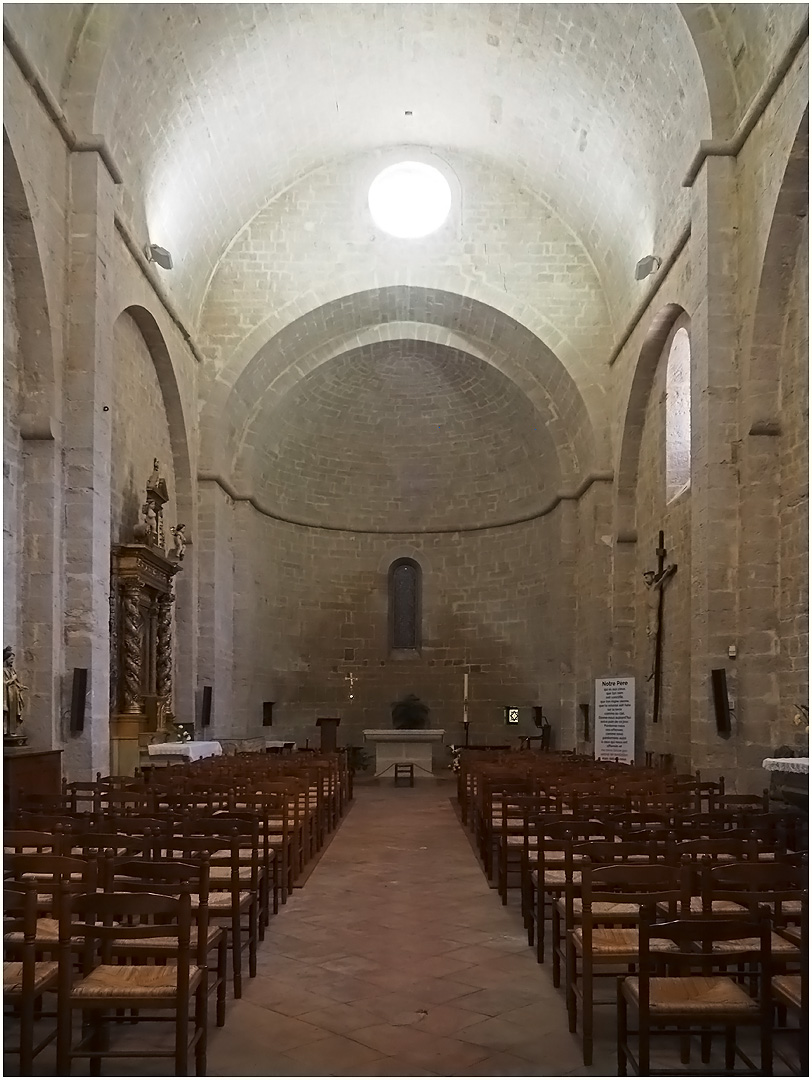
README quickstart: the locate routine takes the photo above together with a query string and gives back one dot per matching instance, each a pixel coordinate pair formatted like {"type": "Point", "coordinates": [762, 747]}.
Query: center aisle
{"type": "Point", "coordinates": [396, 959]}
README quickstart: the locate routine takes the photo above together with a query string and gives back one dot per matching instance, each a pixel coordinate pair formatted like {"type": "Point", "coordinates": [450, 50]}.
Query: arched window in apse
{"type": "Point", "coordinates": [678, 415]}
{"type": "Point", "coordinates": [404, 604]}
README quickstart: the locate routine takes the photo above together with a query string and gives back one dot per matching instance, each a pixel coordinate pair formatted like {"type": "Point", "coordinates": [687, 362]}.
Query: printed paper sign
{"type": "Point", "coordinates": [614, 720]}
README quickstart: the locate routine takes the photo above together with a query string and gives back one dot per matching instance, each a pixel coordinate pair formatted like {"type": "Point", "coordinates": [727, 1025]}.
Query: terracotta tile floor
{"type": "Point", "coordinates": [396, 959]}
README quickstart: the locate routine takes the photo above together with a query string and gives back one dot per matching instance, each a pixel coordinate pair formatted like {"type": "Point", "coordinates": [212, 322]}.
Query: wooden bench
{"type": "Point", "coordinates": [404, 769]}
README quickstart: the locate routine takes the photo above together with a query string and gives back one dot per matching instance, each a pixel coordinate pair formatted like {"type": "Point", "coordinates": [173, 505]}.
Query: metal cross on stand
{"type": "Point", "coordinates": [656, 580]}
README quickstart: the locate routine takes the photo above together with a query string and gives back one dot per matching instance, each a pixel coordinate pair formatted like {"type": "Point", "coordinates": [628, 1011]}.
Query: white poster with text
{"type": "Point", "coordinates": [614, 720]}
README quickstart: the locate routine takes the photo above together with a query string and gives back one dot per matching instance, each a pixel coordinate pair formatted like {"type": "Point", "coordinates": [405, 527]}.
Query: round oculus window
{"type": "Point", "coordinates": [409, 200]}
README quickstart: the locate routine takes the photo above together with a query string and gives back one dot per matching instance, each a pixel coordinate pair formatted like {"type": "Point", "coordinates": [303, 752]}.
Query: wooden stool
{"type": "Point", "coordinates": [406, 769]}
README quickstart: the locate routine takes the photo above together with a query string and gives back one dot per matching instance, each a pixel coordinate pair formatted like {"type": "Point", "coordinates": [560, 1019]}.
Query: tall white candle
{"type": "Point", "coordinates": [465, 687]}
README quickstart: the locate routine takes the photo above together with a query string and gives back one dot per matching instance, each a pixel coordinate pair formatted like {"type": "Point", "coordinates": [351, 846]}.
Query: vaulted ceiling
{"type": "Point", "coordinates": [245, 134]}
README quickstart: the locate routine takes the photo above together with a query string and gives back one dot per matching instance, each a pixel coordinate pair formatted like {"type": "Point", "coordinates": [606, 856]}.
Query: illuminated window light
{"type": "Point", "coordinates": [409, 200]}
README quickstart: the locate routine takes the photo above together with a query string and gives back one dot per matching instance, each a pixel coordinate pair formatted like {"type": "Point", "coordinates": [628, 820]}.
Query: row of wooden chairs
{"type": "Point", "coordinates": [177, 872]}
{"type": "Point", "coordinates": [552, 825]}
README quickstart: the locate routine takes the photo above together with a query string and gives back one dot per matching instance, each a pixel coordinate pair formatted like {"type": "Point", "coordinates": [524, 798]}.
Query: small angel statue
{"type": "Point", "coordinates": [179, 537]}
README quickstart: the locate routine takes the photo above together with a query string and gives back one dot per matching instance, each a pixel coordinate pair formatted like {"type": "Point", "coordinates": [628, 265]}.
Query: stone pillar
{"type": "Point", "coordinates": [593, 639]}
{"type": "Point", "coordinates": [562, 615]}
{"type": "Point", "coordinates": [216, 603]}
{"type": "Point", "coordinates": [40, 643]}
{"type": "Point", "coordinates": [87, 390]}
{"type": "Point", "coordinates": [714, 466]}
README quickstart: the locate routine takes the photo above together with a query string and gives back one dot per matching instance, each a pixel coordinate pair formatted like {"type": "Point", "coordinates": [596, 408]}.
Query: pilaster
{"type": "Point", "coordinates": [88, 389]}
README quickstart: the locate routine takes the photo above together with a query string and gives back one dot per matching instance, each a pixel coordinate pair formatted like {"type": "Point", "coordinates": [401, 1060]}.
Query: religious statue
{"type": "Point", "coordinates": [155, 478]}
{"type": "Point", "coordinates": [655, 583]}
{"type": "Point", "coordinates": [151, 522]}
{"type": "Point", "coordinates": [179, 537]}
{"type": "Point", "coordinates": [150, 530]}
{"type": "Point", "coordinates": [13, 698]}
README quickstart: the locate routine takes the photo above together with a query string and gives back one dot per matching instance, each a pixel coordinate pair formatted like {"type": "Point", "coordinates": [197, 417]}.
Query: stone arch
{"type": "Point", "coordinates": [310, 340]}
{"type": "Point", "coordinates": [182, 493]}
{"type": "Point", "coordinates": [32, 490]}
{"type": "Point", "coordinates": [774, 523]}
{"type": "Point", "coordinates": [170, 392]}
{"type": "Point", "coordinates": [762, 413]}
{"type": "Point", "coordinates": [720, 84]}
{"type": "Point", "coordinates": [39, 380]}
{"type": "Point", "coordinates": [662, 326]}
{"type": "Point", "coordinates": [81, 83]}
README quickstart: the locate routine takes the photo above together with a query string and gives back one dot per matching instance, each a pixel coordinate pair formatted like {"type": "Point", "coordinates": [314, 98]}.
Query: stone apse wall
{"type": "Point", "coordinates": [315, 612]}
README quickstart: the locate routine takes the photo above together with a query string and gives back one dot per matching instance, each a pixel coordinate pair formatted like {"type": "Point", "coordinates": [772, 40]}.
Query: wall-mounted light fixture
{"type": "Point", "coordinates": [511, 714]}
{"type": "Point", "coordinates": [158, 255]}
{"type": "Point", "coordinates": [646, 266]}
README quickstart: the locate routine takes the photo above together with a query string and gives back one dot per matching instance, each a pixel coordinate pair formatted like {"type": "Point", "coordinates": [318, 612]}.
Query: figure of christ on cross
{"type": "Point", "coordinates": [656, 581]}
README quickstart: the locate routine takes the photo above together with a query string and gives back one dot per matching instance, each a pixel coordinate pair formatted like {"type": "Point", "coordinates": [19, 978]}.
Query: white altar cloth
{"type": "Point", "coordinates": [188, 751]}
{"type": "Point", "coordinates": [786, 764]}
{"type": "Point", "coordinates": [393, 745]}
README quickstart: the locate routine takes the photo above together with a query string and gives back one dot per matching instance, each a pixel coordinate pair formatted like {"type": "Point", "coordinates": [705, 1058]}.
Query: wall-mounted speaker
{"type": "Point", "coordinates": [583, 707]}
{"type": "Point", "coordinates": [267, 713]}
{"type": "Point", "coordinates": [78, 700]}
{"type": "Point", "coordinates": [205, 710]}
{"type": "Point", "coordinates": [721, 704]}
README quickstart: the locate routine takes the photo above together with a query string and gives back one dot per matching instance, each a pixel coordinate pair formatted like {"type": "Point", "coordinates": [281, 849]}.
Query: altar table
{"type": "Point", "coordinates": [394, 745]}
{"type": "Point", "coordinates": [184, 751]}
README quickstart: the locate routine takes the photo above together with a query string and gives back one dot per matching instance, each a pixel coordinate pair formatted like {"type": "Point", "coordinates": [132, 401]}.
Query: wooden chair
{"type": "Point", "coordinates": [514, 834]}
{"type": "Point", "coordinates": [603, 949]}
{"type": "Point", "coordinates": [551, 876]}
{"type": "Point", "coordinates": [791, 994]}
{"type": "Point", "coordinates": [25, 979]}
{"type": "Point", "coordinates": [52, 877]}
{"type": "Point", "coordinates": [685, 990]}
{"type": "Point", "coordinates": [266, 813]}
{"type": "Point", "coordinates": [535, 829]}
{"type": "Point", "coordinates": [33, 842]}
{"type": "Point", "coordinates": [781, 888]}
{"type": "Point", "coordinates": [233, 890]}
{"type": "Point", "coordinates": [568, 908]}
{"type": "Point", "coordinates": [173, 879]}
{"type": "Point", "coordinates": [106, 988]}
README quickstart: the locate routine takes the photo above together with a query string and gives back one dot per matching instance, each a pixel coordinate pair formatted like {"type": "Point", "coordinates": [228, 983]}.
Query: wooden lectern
{"type": "Point", "coordinates": [329, 733]}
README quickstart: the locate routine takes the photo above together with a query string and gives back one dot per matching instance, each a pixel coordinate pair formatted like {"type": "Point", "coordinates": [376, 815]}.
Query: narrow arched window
{"type": "Point", "coordinates": [404, 604]}
{"type": "Point", "coordinates": [678, 415]}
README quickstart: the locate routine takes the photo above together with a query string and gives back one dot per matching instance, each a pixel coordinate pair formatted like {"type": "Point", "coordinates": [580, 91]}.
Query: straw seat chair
{"type": "Point", "coordinates": [597, 948]}
{"type": "Point", "coordinates": [173, 879]}
{"type": "Point", "coordinates": [25, 979]}
{"type": "Point", "coordinates": [232, 900]}
{"type": "Point", "coordinates": [568, 908]}
{"type": "Point", "coordinates": [52, 876]}
{"type": "Point", "coordinates": [686, 993]}
{"type": "Point", "coordinates": [791, 994]}
{"type": "Point", "coordinates": [105, 988]}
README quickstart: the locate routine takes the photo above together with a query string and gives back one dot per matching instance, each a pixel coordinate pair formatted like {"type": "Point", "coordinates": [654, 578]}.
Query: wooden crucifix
{"type": "Point", "coordinates": [656, 580]}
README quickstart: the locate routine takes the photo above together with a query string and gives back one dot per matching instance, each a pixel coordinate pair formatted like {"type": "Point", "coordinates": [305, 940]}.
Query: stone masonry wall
{"type": "Point", "coordinates": [793, 610]}
{"type": "Point", "coordinates": [402, 436]}
{"type": "Point", "coordinates": [312, 610]}
{"type": "Point", "coordinates": [140, 433]}
{"type": "Point", "coordinates": [655, 512]}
